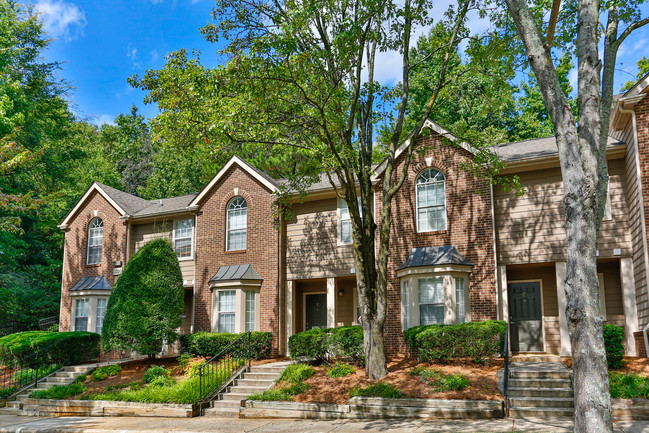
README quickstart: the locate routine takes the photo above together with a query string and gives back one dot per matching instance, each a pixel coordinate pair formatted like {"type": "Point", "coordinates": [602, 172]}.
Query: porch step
{"type": "Point", "coordinates": [530, 382]}
{"type": "Point", "coordinates": [539, 392]}
{"type": "Point", "coordinates": [542, 412]}
{"type": "Point", "coordinates": [529, 374]}
{"type": "Point", "coordinates": [535, 357]}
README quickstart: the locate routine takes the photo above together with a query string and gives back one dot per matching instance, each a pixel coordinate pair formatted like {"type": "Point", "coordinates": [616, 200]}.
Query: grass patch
{"type": "Point", "coordinates": [379, 389]}
{"type": "Point", "coordinates": [341, 369]}
{"type": "Point", "coordinates": [101, 373]}
{"type": "Point", "coordinates": [628, 385]}
{"type": "Point", "coordinates": [59, 392]}
{"type": "Point", "coordinates": [297, 373]}
{"type": "Point", "coordinates": [439, 381]}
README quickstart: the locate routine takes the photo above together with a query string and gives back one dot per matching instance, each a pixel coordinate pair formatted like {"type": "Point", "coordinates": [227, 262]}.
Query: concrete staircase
{"type": "Point", "coordinates": [540, 390]}
{"type": "Point", "coordinates": [64, 376]}
{"type": "Point", "coordinates": [258, 378]}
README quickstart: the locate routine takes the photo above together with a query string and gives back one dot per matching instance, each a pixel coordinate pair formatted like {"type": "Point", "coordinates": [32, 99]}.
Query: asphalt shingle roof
{"type": "Point", "coordinates": [535, 148]}
{"type": "Point", "coordinates": [129, 202]}
{"type": "Point", "coordinates": [166, 205]}
{"type": "Point", "coordinates": [434, 256]}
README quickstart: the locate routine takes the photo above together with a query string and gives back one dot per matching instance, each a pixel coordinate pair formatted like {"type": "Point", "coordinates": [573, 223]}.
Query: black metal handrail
{"type": "Point", "coordinates": [47, 322]}
{"type": "Point", "coordinates": [219, 370]}
{"type": "Point", "coordinates": [29, 370]}
{"type": "Point", "coordinates": [13, 326]}
{"type": "Point", "coordinates": [506, 372]}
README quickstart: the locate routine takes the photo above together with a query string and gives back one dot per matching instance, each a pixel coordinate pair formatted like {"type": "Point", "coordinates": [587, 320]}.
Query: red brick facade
{"type": "Point", "coordinates": [262, 247]}
{"type": "Point", "coordinates": [76, 245]}
{"type": "Point", "coordinates": [469, 229]}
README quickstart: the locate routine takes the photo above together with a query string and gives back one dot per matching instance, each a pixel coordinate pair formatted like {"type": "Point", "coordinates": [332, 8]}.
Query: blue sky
{"type": "Point", "coordinates": [102, 43]}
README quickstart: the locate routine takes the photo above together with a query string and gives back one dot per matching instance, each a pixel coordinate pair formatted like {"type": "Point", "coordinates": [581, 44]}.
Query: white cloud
{"type": "Point", "coordinates": [154, 56]}
{"type": "Point", "coordinates": [131, 53]}
{"type": "Point", "coordinates": [103, 119]}
{"type": "Point", "coordinates": [61, 19]}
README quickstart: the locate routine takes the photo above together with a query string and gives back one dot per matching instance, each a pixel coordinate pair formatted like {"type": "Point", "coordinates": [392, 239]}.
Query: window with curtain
{"type": "Point", "coordinates": [431, 301]}
{"type": "Point", "coordinates": [431, 200]}
{"type": "Point", "coordinates": [226, 311]}
{"type": "Point", "coordinates": [250, 310]}
{"type": "Point", "coordinates": [460, 302]}
{"type": "Point", "coordinates": [95, 241]}
{"type": "Point", "coordinates": [237, 224]}
{"type": "Point", "coordinates": [183, 237]}
{"type": "Point", "coordinates": [101, 313]}
{"type": "Point", "coordinates": [81, 314]}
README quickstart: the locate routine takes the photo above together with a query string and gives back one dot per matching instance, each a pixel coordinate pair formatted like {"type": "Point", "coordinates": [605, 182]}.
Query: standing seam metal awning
{"type": "Point", "coordinates": [236, 273]}
{"type": "Point", "coordinates": [91, 283]}
{"type": "Point", "coordinates": [434, 256]}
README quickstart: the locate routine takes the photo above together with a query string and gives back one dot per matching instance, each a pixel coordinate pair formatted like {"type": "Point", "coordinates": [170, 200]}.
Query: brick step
{"type": "Point", "coordinates": [542, 412]}
{"type": "Point", "coordinates": [541, 383]}
{"type": "Point", "coordinates": [540, 392]}
{"type": "Point", "coordinates": [538, 402]}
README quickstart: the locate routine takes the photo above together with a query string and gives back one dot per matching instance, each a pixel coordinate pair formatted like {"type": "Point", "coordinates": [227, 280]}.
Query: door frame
{"type": "Point", "coordinates": [304, 295]}
{"type": "Point", "coordinates": [532, 280]}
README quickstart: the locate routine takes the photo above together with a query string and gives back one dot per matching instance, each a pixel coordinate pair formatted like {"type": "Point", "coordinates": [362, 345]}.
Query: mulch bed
{"type": "Point", "coordinates": [483, 382]}
{"type": "Point", "coordinates": [632, 365]}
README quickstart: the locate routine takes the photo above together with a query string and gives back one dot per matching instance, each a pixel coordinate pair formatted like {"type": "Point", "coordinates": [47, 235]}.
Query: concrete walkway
{"type": "Point", "coordinates": [11, 423]}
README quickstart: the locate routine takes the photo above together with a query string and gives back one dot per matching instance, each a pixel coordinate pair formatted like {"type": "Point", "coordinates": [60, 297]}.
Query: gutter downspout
{"type": "Point", "coordinates": [642, 214]}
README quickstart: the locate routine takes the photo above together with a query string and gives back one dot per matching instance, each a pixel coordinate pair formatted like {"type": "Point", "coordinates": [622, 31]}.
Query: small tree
{"type": "Point", "coordinates": [147, 303]}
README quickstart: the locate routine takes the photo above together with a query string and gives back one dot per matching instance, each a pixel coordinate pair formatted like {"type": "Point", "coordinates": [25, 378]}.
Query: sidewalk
{"type": "Point", "coordinates": [16, 424]}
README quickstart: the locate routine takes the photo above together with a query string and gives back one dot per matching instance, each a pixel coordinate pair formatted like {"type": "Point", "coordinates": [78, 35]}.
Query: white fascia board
{"type": "Point", "coordinates": [245, 166]}
{"type": "Point", "coordinates": [93, 187]}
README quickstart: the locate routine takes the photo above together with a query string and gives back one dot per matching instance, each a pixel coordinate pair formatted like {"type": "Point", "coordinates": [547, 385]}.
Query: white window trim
{"type": "Point", "coordinates": [193, 235]}
{"type": "Point", "coordinates": [607, 205]}
{"type": "Point", "coordinates": [227, 225]}
{"type": "Point", "coordinates": [417, 203]}
{"type": "Point", "coordinates": [101, 256]}
{"type": "Point", "coordinates": [92, 296]}
{"type": "Point", "coordinates": [340, 222]}
{"type": "Point", "coordinates": [411, 277]}
{"type": "Point", "coordinates": [602, 296]}
{"type": "Point", "coordinates": [239, 306]}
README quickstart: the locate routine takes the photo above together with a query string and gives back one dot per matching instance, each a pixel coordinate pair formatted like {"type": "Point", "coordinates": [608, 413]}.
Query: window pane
{"type": "Point", "coordinates": [101, 313]}
{"type": "Point", "coordinates": [250, 310]}
{"type": "Point", "coordinates": [237, 240]}
{"type": "Point", "coordinates": [226, 322]}
{"type": "Point", "coordinates": [184, 247]}
{"type": "Point", "coordinates": [81, 324]}
{"type": "Point", "coordinates": [431, 301]}
{"type": "Point", "coordinates": [184, 229]}
{"type": "Point", "coordinates": [346, 231]}
{"type": "Point", "coordinates": [431, 201]}
{"type": "Point", "coordinates": [237, 222]}
{"type": "Point", "coordinates": [95, 240]}
{"type": "Point", "coordinates": [81, 315]}
{"type": "Point", "coordinates": [460, 305]}
{"type": "Point", "coordinates": [226, 311]}
{"type": "Point", "coordinates": [431, 314]}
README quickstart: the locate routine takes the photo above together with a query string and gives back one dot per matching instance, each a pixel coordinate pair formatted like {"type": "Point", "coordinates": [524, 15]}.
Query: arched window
{"type": "Point", "coordinates": [237, 224]}
{"type": "Point", "coordinates": [95, 241]}
{"type": "Point", "coordinates": [431, 200]}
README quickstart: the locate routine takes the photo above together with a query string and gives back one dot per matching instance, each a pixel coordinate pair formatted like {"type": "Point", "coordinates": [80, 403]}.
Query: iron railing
{"type": "Point", "coordinates": [217, 372]}
{"type": "Point", "coordinates": [21, 373]}
{"type": "Point", "coordinates": [506, 370]}
{"type": "Point", "coordinates": [48, 322]}
{"type": "Point", "coordinates": [13, 326]}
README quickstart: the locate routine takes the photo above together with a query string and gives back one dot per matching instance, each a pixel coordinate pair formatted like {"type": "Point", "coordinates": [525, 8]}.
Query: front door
{"type": "Point", "coordinates": [315, 310]}
{"type": "Point", "coordinates": [525, 317]}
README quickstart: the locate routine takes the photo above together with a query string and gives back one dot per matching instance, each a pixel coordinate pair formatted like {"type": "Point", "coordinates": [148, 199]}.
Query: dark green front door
{"type": "Point", "coordinates": [315, 310]}
{"type": "Point", "coordinates": [525, 317]}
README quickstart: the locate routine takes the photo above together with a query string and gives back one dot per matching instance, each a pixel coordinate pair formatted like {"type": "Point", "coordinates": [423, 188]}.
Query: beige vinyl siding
{"type": "Point", "coordinates": [143, 233]}
{"type": "Point", "coordinates": [531, 229]}
{"type": "Point", "coordinates": [312, 242]}
{"type": "Point", "coordinates": [345, 303]}
{"type": "Point", "coordinates": [634, 198]}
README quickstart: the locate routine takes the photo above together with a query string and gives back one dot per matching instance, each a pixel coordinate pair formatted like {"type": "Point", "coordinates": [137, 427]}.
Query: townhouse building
{"type": "Point", "coordinates": [461, 249]}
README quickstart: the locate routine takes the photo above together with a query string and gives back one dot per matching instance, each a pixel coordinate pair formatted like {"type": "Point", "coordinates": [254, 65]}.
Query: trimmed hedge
{"type": "Point", "coordinates": [478, 341]}
{"type": "Point", "coordinates": [209, 344]}
{"type": "Point", "coordinates": [613, 339]}
{"type": "Point", "coordinates": [78, 347]}
{"type": "Point", "coordinates": [320, 344]}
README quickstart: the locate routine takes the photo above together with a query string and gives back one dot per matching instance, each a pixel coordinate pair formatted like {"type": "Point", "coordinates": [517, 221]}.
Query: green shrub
{"type": "Point", "coordinates": [272, 395]}
{"type": "Point", "coordinates": [378, 389]}
{"type": "Point", "coordinates": [297, 373]}
{"type": "Point", "coordinates": [613, 343]}
{"type": "Point", "coordinates": [183, 360]}
{"type": "Point", "coordinates": [312, 344]}
{"type": "Point", "coordinates": [340, 369]}
{"type": "Point", "coordinates": [163, 381]}
{"type": "Point", "coordinates": [155, 372]}
{"type": "Point", "coordinates": [347, 343]}
{"type": "Point", "coordinates": [209, 344]}
{"type": "Point", "coordinates": [479, 341]}
{"type": "Point", "coordinates": [101, 373]}
{"type": "Point", "coordinates": [628, 385]}
{"type": "Point", "coordinates": [59, 392]}
{"type": "Point", "coordinates": [440, 381]}
{"type": "Point", "coordinates": [146, 306]}
{"type": "Point", "coordinates": [6, 392]}
{"type": "Point", "coordinates": [77, 348]}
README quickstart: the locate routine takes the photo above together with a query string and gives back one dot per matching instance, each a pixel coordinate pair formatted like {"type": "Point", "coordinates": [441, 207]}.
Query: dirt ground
{"type": "Point", "coordinates": [483, 384]}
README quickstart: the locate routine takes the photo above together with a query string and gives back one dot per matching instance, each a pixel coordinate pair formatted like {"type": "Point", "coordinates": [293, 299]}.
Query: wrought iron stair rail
{"type": "Point", "coordinates": [217, 372]}
{"type": "Point", "coordinates": [24, 372]}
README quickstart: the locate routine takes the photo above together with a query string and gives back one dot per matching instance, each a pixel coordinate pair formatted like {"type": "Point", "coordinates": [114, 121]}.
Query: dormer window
{"type": "Point", "coordinates": [431, 200]}
{"type": "Point", "coordinates": [95, 241]}
{"type": "Point", "coordinates": [237, 224]}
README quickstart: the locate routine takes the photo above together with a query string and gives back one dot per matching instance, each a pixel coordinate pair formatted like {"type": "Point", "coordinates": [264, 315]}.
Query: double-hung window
{"type": "Point", "coordinates": [346, 236]}
{"type": "Point", "coordinates": [101, 313]}
{"type": "Point", "coordinates": [431, 301]}
{"type": "Point", "coordinates": [81, 308]}
{"type": "Point", "coordinates": [250, 310]}
{"type": "Point", "coordinates": [95, 241]}
{"type": "Point", "coordinates": [183, 237]}
{"type": "Point", "coordinates": [431, 200]}
{"type": "Point", "coordinates": [460, 302]}
{"type": "Point", "coordinates": [227, 306]}
{"type": "Point", "coordinates": [237, 224]}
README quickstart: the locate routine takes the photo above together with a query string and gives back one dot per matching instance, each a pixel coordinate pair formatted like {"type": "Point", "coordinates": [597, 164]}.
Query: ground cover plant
{"type": "Point", "coordinates": [628, 385]}
{"type": "Point", "coordinates": [440, 381]}
{"type": "Point", "coordinates": [101, 373]}
{"type": "Point", "coordinates": [340, 369]}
